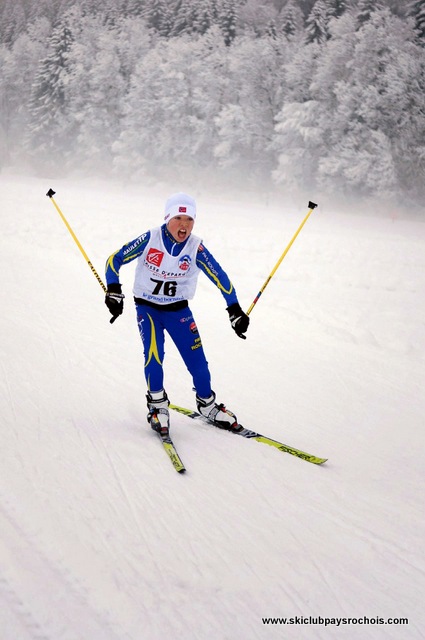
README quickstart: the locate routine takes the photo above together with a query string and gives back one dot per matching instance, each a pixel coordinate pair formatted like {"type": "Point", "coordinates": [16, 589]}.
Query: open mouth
{"type": "Point", "coordinates": [182, 233]}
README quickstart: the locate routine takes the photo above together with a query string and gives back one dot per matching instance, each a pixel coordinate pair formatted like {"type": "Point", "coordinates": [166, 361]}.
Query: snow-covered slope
{"type": "Point", "coordinates": [100, 538]}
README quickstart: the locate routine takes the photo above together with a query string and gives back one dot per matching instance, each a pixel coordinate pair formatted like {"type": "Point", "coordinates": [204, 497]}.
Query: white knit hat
{"type": "Point", "coordinates": [179, 204]}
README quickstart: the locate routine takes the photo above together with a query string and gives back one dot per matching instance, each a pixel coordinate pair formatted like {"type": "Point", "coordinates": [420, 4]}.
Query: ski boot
{"type": "Point", "coordinates": [217, 414]}
{"type": "Point", "coordinates": [158, 416]}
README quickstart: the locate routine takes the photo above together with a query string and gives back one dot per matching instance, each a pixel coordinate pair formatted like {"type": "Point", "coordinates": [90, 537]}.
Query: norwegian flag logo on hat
{"type": "Point", "coordinates": [180, 203]}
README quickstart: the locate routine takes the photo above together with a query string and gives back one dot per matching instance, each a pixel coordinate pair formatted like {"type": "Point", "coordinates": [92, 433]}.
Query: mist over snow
{"type": "Point", "coordinates": [100, 538]}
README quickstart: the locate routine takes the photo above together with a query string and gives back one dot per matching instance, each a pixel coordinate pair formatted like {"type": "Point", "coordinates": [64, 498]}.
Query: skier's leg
{"type": "Point", "coordinates": [183, 330]}
{"type": "Point", "coordinates": [152, 334]}
{"type": "Point", "coordinates": [151, 331]}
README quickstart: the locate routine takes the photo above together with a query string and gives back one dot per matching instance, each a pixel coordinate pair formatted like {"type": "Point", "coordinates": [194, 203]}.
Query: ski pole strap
{"type": "Point", "coordinates": [311, 206]}
{"type": "Point", "coordinates": [50, 194]}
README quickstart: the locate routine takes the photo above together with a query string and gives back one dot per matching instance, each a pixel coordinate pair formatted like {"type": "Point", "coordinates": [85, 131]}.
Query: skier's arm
{"type": "Point", "coordinates": [127, 253]}
{"type": "Point", "coordinates": [209, 265]}
{"type": "Point", "coordinates": [114, 298]}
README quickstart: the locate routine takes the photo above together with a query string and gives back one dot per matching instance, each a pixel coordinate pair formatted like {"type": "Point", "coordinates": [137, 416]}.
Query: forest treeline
{"type": "Point", "coordinates": [325, 94]}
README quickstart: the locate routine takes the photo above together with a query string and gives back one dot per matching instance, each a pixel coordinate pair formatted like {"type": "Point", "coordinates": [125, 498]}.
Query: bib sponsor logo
{"type": "Point", "coordinates": [135, 244]}
{"type": "Point", "coordinates": [184, 263]}
{"type": "Point", "coordinates": [155, 257]}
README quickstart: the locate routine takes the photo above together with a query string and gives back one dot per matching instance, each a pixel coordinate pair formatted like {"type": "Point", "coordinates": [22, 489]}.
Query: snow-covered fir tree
{"type": "Point", "coordinates": [318, 20]}
{"type": "Point", "coordinates": [191, 16]}
{"type": "Point", "coordinates": [19, 64]}
{"type": "Point", "coordinates": [176, 91]}
{"type": "Point", "coordinates": [417, 11]}
{"type": "Point", "coordinates": [291, 19]}
{"type": "Point", "coordinates": [257, 19]}
{"type": "Point", "coordinates": [245, 124]}
{"type": "Point", "coordinates": [379, 107]}
{"type": "Point", "coordinates": [340, 6]}
{"type": "Point", "coordinates": [157, 15]}
{"type": "Point", "coordinates": [227, 16]}
{"type": "Point", "coordinates": [133, 8]}
{"type": "Point", "coordinates": [100, 69]}
{"type": "Point", "coordinates": [47, 135]}
{"type": "Point", "coordinates": [357, 125]}
{"type": "Point", "coordinates": [12, 21]}
{"type": "Point", "coordinates": [366, 8]}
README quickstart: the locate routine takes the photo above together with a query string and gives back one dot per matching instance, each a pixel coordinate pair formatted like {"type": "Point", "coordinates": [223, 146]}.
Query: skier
{"type": "Point", "coordinates": [170, 259]}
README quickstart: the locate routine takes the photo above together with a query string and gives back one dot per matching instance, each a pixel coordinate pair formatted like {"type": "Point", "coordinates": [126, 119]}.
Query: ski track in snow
{"type": "Point", "coordinates": [100, 538]}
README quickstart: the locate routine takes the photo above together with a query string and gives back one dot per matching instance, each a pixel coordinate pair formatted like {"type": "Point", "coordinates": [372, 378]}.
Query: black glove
{"type": "Point", "coordinates": [238, 319]}
{"type": "Point", "coordinates": [114, 300]}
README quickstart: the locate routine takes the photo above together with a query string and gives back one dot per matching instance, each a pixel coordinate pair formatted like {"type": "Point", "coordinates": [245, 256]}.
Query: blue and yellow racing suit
{"type": "Point", "coordinates": [159, 303]}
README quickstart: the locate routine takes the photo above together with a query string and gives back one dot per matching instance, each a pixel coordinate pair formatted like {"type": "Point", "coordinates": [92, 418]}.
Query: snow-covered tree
{"type": "Point", "coordinates": [339, 7]}
{"type": "Point", "coordinates": [256, 18]}
{"type": "Point", "coordinates": [366, 8]}
{"type": "Point", "coordinates": [133, 8]}
{"type": "Point", "coordinates": [291, 19]}
{"type": "Point", "coordinates": [417, 11]}
{"type": "Point", "coordinates": [191, 16]}
{"type": "Point", "coordinates": [362, 165]}
{"type": "Point", "coordinates": [19, 64]}
{"type": "Point", "coordinates": [317, 23]}
{"type": "Point", "coordinates": [300, 70]}
{"type": "Point", "coordinates": [101, 63]}
{"type": "Point", "coordinates": [378, 139]}
{"type": "Point", "coordinates": [48, 134]}
{"type": "Point", "coordinates": [306, 6]}
{"type": "Point", "coordinates": [158, 16]}
{"type": "Point", "coordinates": [245, 123]}
{"type": "Point", "coordinates": [227, 15]}
{"type": "Point", "coordinates": [299, 142]}
{"type": "Point", "coordinates": [176, 90]}
{"type": "Point", "coordinates": [12, 21]}
{"type": "Point", "coordinates": [359, 126]}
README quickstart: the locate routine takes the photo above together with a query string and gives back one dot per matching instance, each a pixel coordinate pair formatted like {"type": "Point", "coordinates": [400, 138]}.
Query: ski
{"type": "Point", "coordinates": [171, 451]}
{"type": "Point", "coordinates": [247, 433]}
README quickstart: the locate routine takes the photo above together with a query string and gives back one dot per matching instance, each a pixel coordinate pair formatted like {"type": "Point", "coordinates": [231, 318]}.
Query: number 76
{"type": "Point", "coordinates": [170, 287]}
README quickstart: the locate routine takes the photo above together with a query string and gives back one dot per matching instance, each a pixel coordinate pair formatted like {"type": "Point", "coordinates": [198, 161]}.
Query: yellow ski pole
{"type": "Point", "coordinates": [50, 194]}
{"type": "Point", "coordinates": [312, 206]}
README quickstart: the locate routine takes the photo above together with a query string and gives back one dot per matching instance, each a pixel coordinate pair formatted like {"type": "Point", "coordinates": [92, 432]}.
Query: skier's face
{"type": "Point", "coordinates": [180, 227]}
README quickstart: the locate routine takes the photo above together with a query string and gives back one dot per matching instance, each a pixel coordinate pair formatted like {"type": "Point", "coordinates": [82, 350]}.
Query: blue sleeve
{"type": "Point", "coordinates": [127, 253]}
{"type": "Point", "coordinates": [209, 265]}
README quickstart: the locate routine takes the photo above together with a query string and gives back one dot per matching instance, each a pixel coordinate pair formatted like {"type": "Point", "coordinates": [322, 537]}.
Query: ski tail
{"type": "Point", "coordinates": [254, 435]}
{"type": "Point", "coordinates": [171, 452]}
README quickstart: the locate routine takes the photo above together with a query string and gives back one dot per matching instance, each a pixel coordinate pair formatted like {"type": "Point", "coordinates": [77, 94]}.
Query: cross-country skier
{"type": "Point", "coordinates": [170, 259]}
